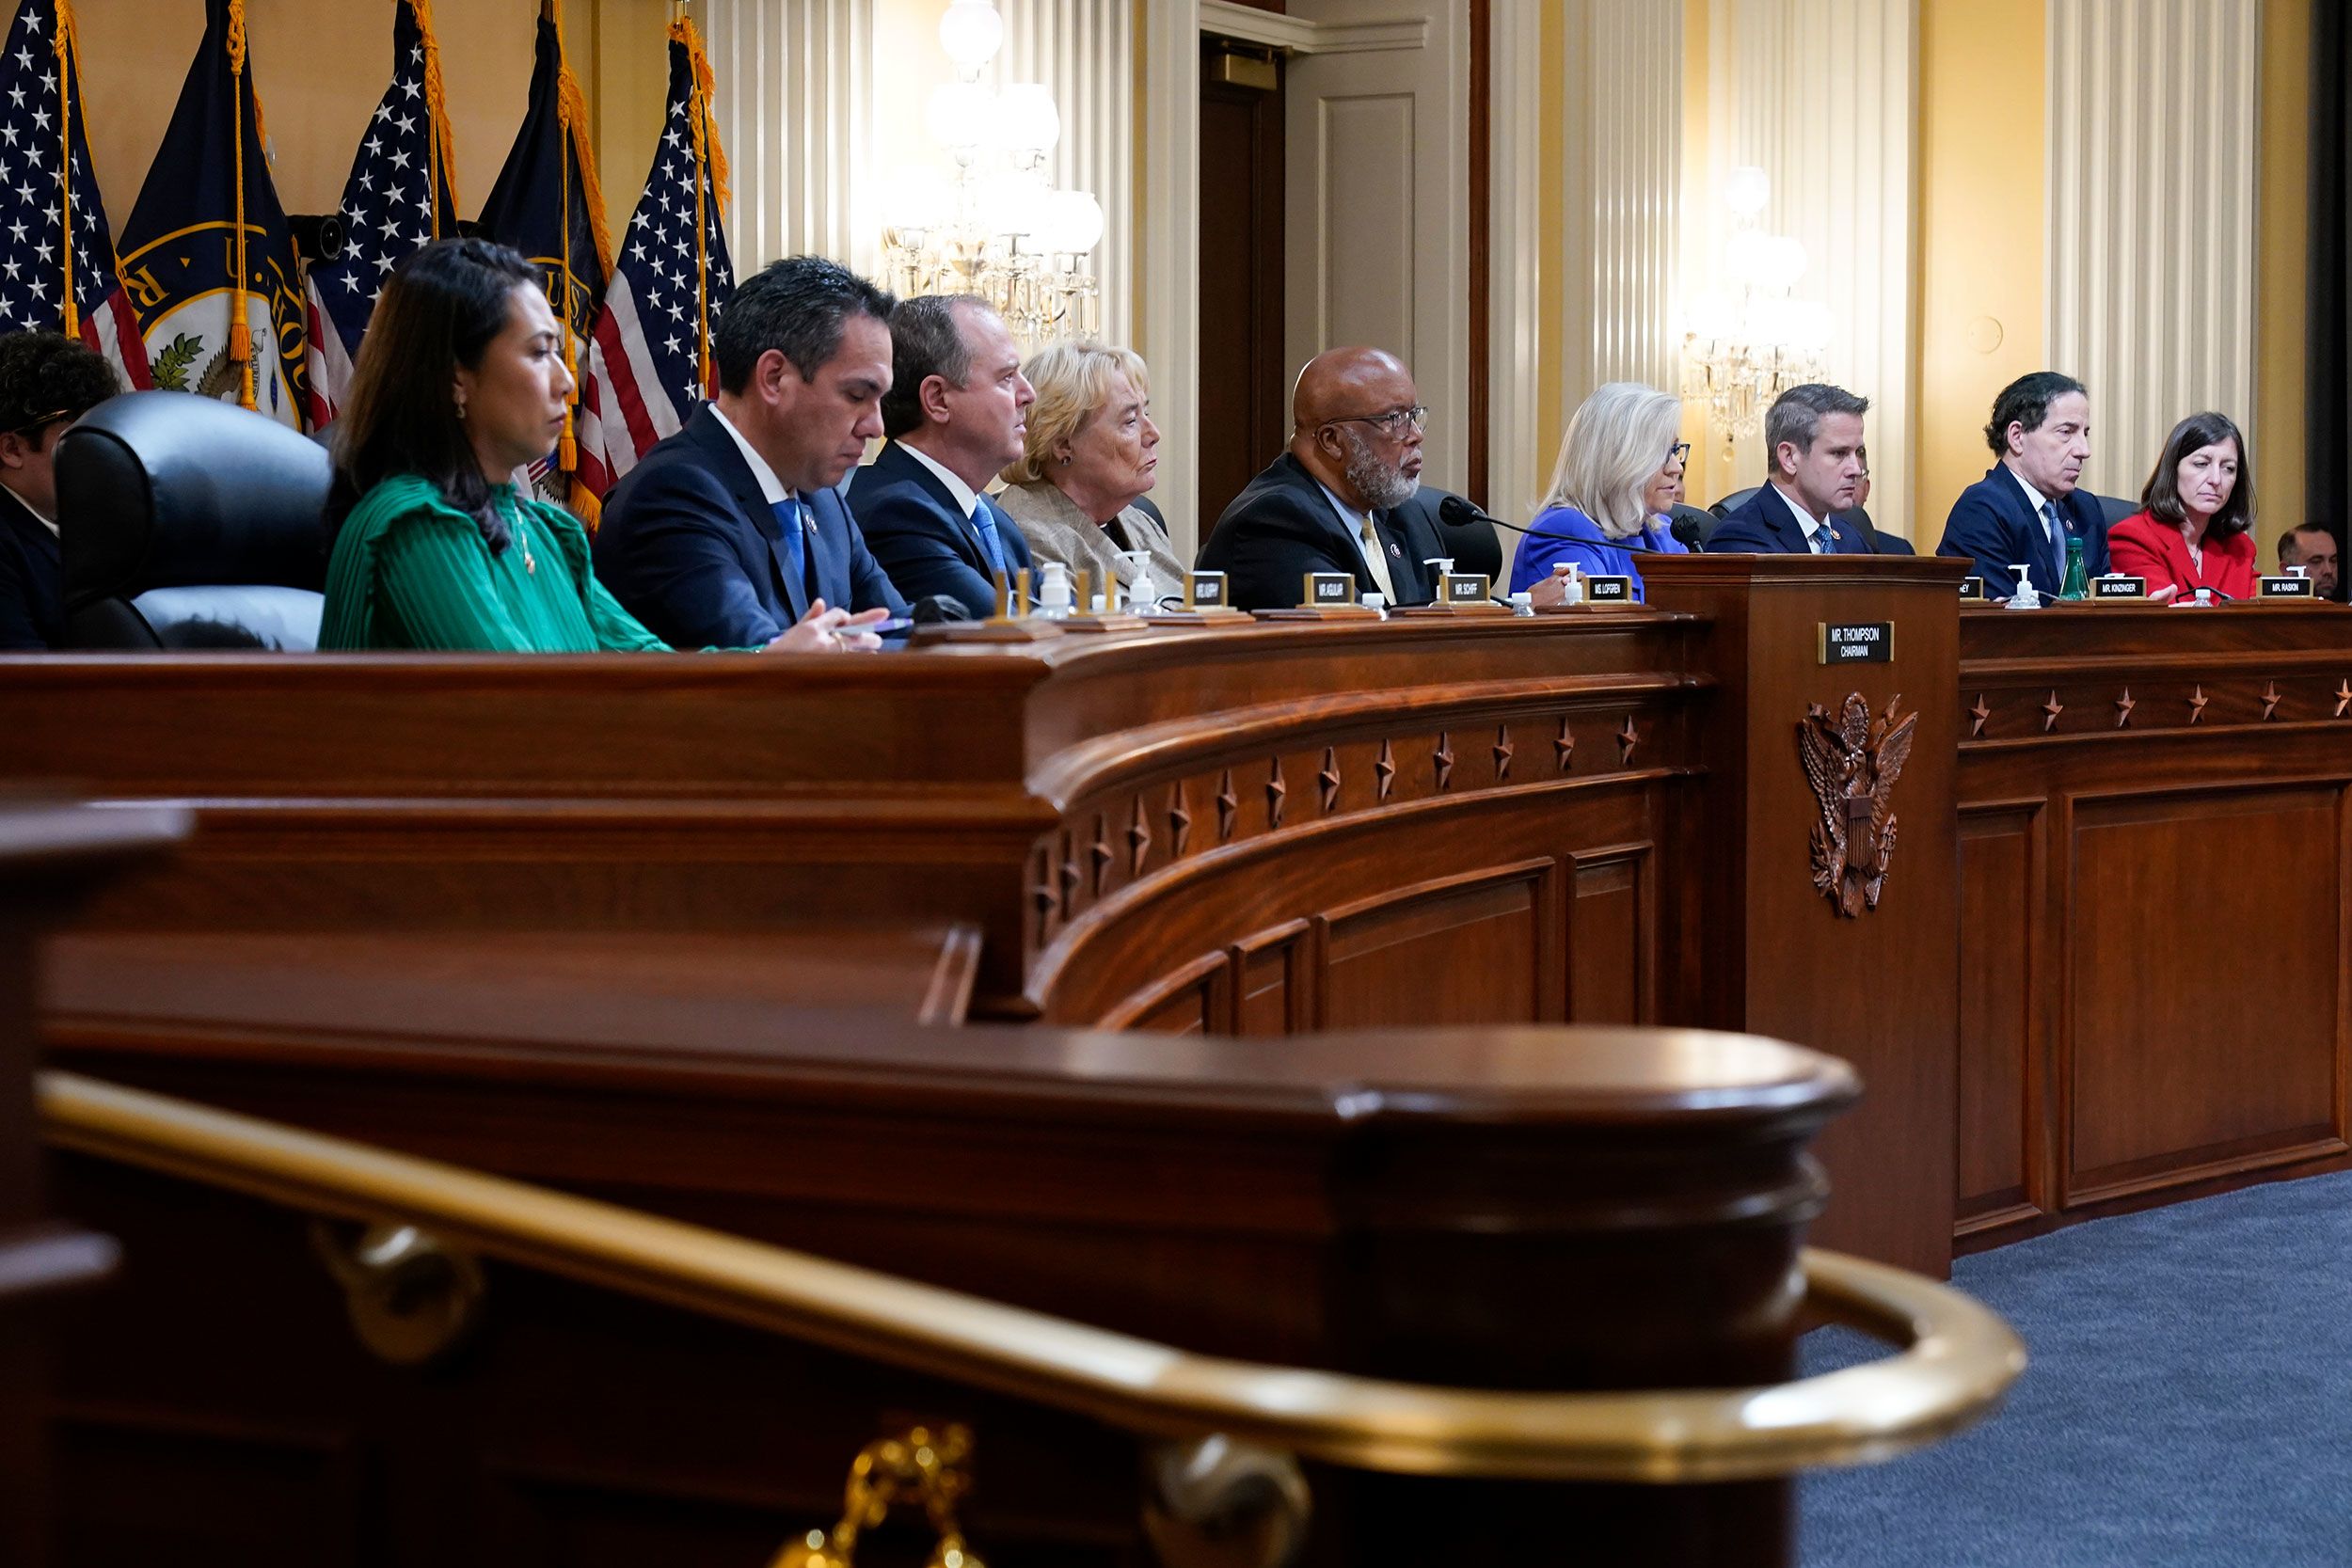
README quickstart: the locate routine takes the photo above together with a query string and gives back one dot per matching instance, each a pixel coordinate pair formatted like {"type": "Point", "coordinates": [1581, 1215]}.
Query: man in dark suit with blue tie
{"type": "Point", "coordinates": [1813, 435]}
{"type": "Point", "coordinates": [956, 413]}
{"type": "Point", "coordinates": [2026, 506]}
{"type": "Point", "coordinates": [47, 381]}
{"type": "Point", "coordinates": [730, 531]}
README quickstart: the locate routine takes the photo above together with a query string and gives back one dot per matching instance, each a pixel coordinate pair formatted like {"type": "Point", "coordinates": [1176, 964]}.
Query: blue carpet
{"type": "Point", "coordinates": [2188, 1401]}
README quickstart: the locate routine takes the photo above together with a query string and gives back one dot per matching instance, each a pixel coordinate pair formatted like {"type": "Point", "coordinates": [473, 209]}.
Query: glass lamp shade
{"type": "Point", "coordinates": [1026, 119]}
{"type": "Point", "coordinates": [919, 196]}
{"type": "Point", "coordinates": [1747, 257]}
{"type": "Point", "coordinates": [1746, 189]}
{"type": "Point", "coordinates": [971, 32]}
{"type": "Point", "coordinates": [1709, 317]}
{"type": "Point", "coordinates": [1013, 204]}
{"type": "Point", "coordinates": [959, 114]}
{"type": "Point", "coordinates": [1784, 261]}
{"type": "Point", "coordinates": [1809, 326]}
{"type": "Point", "coordinates": [1072, 223]}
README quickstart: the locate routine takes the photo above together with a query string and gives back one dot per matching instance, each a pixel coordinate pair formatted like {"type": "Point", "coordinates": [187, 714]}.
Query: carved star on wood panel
{"type": "Point", "coordinates": [1563, 745]}
{"type": "Point", "coordinates": [1099, 854]}
{"type": "Point", "coordinates": [1228, 803]}
{"type": "Point", "coordinates": [2123, 706]}
{"type": "Point", "coordinates": [1979, 714]}
{"type": "Point", "coordinates": [1071, 876]}
{"type": "Point", "coordinates": [1043, 892]}
{"type": "Point", "coordinates": [2343, 698]}
{"type": "Point", "coordinates": [1628, 739]}
{"type": "Point", "coordinates": [1138, 840]}
{"type": "Point", "coordinates": [2196, 704]}
{"type": "Point", "coordinates": [1384, 769]}
{"type": "Point", "coordinates": [1504, 752]}
{"type": "Point", "coordinates": [1328, 780]}
{"type": "Point", "coordinates": [1275, 790]}
{"type": "Point", "coordinates": [1443, 758]}
{"type": "Point", "coordinates": [1178, 823]}
{"type": "Point", "coordinates": [2270, 698]}
{"type": "Point", "coordinates": [2050, 712]}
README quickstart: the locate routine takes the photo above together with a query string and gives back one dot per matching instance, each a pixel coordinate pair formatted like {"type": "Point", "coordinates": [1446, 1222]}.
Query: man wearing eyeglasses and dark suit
{"type": "Point", "coordinates": [47, 381]}
{"type": "Point", "coordinates": [1335, 500]}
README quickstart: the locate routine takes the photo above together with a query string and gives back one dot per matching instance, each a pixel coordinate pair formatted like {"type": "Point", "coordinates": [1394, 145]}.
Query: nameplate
{"type": "Point", "coordinates": [2285, 588]}
{"type": "Point", "coordinates": [1856, 641]}
{"type": "Point", "coordinates": [2118, 587]}
{"type": "Point", "coordinates": [1205, 591]}
{"type": "Point", "coordinates": [1972, 588]}
{"type": "Point", "coordinates": [1609, 590]}
{"type": "Point", "coordinates": [1465, 588]}
{"type": "Point", "coordinates": [1323, 589]}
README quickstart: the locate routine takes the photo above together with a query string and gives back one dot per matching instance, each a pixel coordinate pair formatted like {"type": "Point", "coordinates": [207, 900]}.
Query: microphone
{"type": "Point", "coordinates": [1461, 512]}
{"type": "Point", "coordinates": [1687, 535]}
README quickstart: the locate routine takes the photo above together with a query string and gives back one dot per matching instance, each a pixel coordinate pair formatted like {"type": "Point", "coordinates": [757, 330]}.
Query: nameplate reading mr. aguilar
{"type": "Point", "coordinates": [1328, 588]}
{"type": "Point", "coordinates": [1857, 642]}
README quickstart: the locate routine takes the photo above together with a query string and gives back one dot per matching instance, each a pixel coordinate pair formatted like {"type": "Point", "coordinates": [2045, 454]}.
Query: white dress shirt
{"type": "Point", "coordinates": [966, 495]}
{"type": "Point", "coordinates": [1359, 523]}
{"type": "Point", "coordinates": [1822, 529]}
{"type": "Point", "coordinates": [770, 487]}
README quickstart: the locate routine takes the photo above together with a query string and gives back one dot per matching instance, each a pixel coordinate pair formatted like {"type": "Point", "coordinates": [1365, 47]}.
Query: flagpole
{"type": "Point", "coordinates": [240, 348]}
{"type": "Point", "coordinates": [64, 40]}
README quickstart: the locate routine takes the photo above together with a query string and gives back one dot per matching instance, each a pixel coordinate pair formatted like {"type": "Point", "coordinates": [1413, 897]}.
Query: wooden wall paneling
{"type": "Point", "coordinates": [1196, 999]}
{"type": "Point", "coordinates": [1613, 935]}
{"type": "Point", "coordinates": [2000, 1100]}
{"type": "Point", "coordinates": [1276, 989]}
{"type": "Point", "coordinates": [1478, 945]}
{"type": "Point", "coordinates": [2204, 986]}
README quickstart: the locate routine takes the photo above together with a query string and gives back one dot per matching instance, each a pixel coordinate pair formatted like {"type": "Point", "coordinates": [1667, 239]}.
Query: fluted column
{"type": "Point", "coordinates": [2154, 126]}
{"type": "Point", "coordinates": [1084, 52]}
{"type": "Point", "coordinates": [793, 95]}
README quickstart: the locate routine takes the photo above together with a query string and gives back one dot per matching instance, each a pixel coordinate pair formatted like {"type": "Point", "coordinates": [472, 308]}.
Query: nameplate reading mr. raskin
{"type": "Point", "coordinates": [1858, 641]}
{"type": "Point", "coordinates": [2289, 587]}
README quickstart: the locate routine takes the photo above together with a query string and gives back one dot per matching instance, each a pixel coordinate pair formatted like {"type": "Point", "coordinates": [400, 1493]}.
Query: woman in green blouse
{"type": "Point", "coordinates": [461, 381]}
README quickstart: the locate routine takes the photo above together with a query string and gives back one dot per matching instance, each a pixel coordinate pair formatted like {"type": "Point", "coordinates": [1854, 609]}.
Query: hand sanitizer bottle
{"type": "Point", "coordinates": [1054, 601]}
{"type": "Point", "coordinates": [2024, 598]}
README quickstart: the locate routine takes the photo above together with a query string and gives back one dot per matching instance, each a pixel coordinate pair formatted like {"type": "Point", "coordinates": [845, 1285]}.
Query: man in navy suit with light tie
{"type": "Point", "coordinates": [2026, 506]}
{"type": "Point", "coordinates": [730, 531]}
{"type": "Point", "coordinates": [956, 412]}
{"type": "Point", "coordinates": [1813, 435]}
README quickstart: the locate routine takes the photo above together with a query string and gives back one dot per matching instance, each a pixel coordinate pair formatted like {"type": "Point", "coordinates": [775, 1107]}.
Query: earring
{"type": "Point", "coordinates": [461, 411]}
{"type": "Point", "coordinates": [1065, 459]}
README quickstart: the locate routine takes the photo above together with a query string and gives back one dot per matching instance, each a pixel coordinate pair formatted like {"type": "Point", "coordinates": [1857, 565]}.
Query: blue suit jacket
{"type": "Point", "coordinates": [690, 546]}
{"type": "Point", "coordinates": [1993, 525]}
{"type": "Point", "coordinates": [1763, 525]}
{"type": "Point", "coordinates": [921, 537]}
{"type": "Point", "coordinates": [32, 595]}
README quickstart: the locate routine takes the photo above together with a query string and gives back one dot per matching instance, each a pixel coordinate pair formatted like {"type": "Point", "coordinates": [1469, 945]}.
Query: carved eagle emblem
{"type": "Point", "coordinates": [1852, 759]}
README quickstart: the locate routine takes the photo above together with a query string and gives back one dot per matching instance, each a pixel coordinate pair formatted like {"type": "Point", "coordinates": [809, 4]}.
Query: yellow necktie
{"type": "Point", "coordinates": [1376, 557]}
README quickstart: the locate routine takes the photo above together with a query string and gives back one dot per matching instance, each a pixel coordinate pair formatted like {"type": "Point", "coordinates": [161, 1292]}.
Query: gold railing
{"type": "Point", "coordinates": [1957, 1361]}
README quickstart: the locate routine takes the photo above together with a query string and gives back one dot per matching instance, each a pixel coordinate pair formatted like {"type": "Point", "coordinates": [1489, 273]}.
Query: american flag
{"type": "Point", "coordinates": [646, 365]}
{"type": "Point", "coordinates": [52, 220]}
{"type": "Point", "coordinates": [401, 194]}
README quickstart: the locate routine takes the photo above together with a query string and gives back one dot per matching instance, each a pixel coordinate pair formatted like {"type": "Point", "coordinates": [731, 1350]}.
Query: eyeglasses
{"type": "Point", "coordinates": [1678, 452]}
{"type": "Point", "coordinates": [38, 422]}
{"type": "Point", "coordinates": [1391, 423]}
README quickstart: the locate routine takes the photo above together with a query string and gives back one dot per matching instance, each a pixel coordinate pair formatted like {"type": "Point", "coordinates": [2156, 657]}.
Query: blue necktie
{"type": "Point", "coordinates": [984, 518]}
{"type": "Point", "coordinates": [794, 545]}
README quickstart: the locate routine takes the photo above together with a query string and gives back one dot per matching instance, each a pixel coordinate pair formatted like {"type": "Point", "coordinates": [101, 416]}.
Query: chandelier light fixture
{"type": "Point", "coordinates": [998, 228]}
{"type": "Point", "coordinates": [1743, 347]}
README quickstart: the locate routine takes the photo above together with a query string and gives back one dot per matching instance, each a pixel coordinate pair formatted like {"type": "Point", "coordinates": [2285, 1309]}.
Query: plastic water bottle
{"type": "Point", "coordinates": [2077, 582]}
{"type": "Point", "coordinates": [1054, 601]}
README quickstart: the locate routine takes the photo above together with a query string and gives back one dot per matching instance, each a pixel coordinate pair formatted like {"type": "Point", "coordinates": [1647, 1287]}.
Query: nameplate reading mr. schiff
{"type": "Point", "coordinates": [1321, 590]}
{"type": "Point", "coordinates": [1856, 641]}
{"type": "Point", "coordinates": [1465, 588]}
{"type": "Point", "coordinates": [2287, 587]}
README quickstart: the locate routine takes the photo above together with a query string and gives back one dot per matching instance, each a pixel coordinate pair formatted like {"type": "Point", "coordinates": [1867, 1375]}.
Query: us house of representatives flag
{"type": "Point", "coordinates": [649, 357]}
{"type": "Point", "coordinates": [401, 193]}
{"type": "Point", "coordinates": [208, 261]}
{"type": "Point", "coordinates": [57, 253]}
{"type": "Point", "coordinates": [547, 204]}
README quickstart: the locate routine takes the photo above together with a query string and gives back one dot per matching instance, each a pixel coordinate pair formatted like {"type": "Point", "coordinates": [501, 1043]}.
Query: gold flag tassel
{"type": "Point", "coordinates": [711, 160]}
{"type": "Point", "coordinates": [443, 156]}
{"type": "Point", "coordinates": [240, 347]}
{"type": "Point", "coordinates": [571, 108]}
{"type": "Point", "coordinates": [65, 63]}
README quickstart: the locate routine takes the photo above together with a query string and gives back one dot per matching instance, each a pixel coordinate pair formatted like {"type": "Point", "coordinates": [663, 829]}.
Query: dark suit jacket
{"type": "Point", "coordinates": [690, 546]}
{"type": "Point", "coordinates": [1281, 526]}
{"type": "Point", "coordinates": [1764, 525]}
{"type": "Point", "coordinates": [32, 592]}
{"type": "Point", "coordinates": [922, 539]}
{"type": "Point", "coordinates": [1993, 525]}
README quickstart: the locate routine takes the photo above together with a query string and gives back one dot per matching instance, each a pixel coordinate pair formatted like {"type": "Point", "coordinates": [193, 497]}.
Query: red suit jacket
{"type": "Point", "coordinates": [2143, 546]}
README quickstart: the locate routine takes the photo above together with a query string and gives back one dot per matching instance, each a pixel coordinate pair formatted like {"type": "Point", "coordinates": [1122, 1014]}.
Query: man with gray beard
{"type": "Point", "coordinates": [1331, 501]}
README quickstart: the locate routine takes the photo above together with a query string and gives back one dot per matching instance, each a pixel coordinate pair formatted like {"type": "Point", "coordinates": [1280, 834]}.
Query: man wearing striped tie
{"type": "Point", "coordinates": [1334, 501]}
{"type": "Point", "coordinates": [730, 531]}
{"type": "Point", "coordinates": [1813, 435]}
{"type": "Point", "coordinates": [957, 410]}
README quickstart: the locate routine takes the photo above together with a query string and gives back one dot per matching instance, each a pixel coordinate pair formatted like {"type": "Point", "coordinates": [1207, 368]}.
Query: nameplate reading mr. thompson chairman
{"type": "Point", "coordinates": [1858, 641]}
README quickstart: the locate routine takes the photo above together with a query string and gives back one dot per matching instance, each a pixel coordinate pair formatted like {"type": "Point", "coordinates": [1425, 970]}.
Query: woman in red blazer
{"type": "Point", "coordinates": [2191, 531]}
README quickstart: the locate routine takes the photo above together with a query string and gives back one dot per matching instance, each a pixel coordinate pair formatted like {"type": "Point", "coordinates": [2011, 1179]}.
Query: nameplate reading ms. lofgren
{"type": "Point", "coordinates": [1858, 641]}
{"type": "Point", "coordinates": [1608, 590]}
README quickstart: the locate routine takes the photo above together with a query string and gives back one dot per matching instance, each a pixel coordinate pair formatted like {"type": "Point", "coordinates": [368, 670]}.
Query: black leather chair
{"type": "Point", "coordinates": [186, 522]}
{"type": "Point", "coordinates": [1474, 547]}
{"type": "Point", "coordinates": [2114, 509]}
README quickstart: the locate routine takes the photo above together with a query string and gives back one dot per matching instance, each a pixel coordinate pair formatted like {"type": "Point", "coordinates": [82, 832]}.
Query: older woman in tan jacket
{"type": "Point", "coordinates": [1091, 451]}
